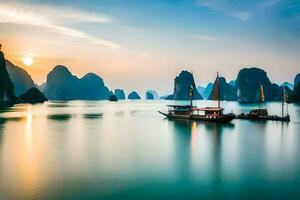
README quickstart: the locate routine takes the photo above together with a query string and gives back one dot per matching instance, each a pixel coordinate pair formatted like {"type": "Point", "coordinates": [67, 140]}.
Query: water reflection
{"type": "Point", "coordinates": [59, 117]}
{"type": "Point", "coordinates": [93, 116]}
{"type": "Point", "coordinates": [44, 147]}
{"type": "Point", "coordinates": [188, 147]}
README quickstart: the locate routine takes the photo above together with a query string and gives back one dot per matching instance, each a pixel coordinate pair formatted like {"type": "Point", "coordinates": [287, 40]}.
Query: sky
{"type": "Point", "coordinates": [143, 44]}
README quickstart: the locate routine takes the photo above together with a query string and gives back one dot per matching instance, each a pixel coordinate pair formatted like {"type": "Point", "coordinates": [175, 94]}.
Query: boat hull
{"type": "Point", "coordinates": [264, 118]}
{"type": "Point", "coordinates": [221, 119]}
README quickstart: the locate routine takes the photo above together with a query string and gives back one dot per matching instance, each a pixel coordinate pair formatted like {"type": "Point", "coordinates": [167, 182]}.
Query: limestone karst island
{"type": "Point", "coordinates": [143, 99]}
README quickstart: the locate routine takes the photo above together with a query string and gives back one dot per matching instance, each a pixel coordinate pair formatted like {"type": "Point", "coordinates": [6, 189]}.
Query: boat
{"type": "Point", "coordinates": [262, 113]}
{"type": "Point", "coordinates": [190, 112]}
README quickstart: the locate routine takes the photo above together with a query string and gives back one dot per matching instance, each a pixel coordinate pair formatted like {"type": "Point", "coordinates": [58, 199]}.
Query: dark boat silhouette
{"type": "Point", "coordinates": [262, 113]}
{"type": "Point", "coordinates": [190, 112]}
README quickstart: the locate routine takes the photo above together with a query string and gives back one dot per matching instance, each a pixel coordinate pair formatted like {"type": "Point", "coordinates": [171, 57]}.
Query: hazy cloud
{"type": "Point", "coordinates": [232, 8]}
{"type": "Point", "coordinates": [269, 3]}
{"type": "Point", "coordinates": [203, 37]}
{"type": "Point", "coordinates": [54, 19]}
{"type": "Point", "coordinates": [242, 10]}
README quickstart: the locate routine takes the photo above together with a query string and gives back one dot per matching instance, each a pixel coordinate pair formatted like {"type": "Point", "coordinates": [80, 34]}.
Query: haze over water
{"type": "Point", "coordinates": [126, 150]}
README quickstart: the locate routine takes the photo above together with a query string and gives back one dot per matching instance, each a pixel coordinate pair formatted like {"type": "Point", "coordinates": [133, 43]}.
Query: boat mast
{"type": "Point", "coordinates": [191, 95]}
{"type": "Point", "coordinates": [218, 90]}
{"type": "Point", "coordinates": [282, 101]}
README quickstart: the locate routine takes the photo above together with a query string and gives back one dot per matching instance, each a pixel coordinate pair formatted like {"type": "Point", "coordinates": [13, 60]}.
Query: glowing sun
{"type": "Point", "coordinates": [28, 61]}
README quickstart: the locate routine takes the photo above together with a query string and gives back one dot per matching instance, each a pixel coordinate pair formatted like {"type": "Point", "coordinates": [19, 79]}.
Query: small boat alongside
{"type": "Point", "coordinates": [262, 113]}
{"type": "Point", "coordinates": [190, 112]}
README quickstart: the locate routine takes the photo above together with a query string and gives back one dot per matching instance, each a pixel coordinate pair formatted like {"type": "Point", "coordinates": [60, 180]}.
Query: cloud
{"type": "Point", "coordinates": [269, 3]}
{"type": "Point", "coordinates": [231, 8]}
{"type": "Point", "coordinates": [242, 10]}
{"type": "Point", "coordinates": [54, 19]}
{"type": "Point", "coordinates": [203, 37]}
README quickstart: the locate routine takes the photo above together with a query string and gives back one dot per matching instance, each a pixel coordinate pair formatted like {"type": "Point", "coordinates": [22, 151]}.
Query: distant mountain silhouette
{"type": "Point", "coordinates": [20, 78]}
{"type": "Point", "coordinates": [165, 97]}
{"type": "Point", "coordinates": [33, 95]}
{"type": "Point", "coordinates": [7, 93]}
{"type": "Point", "coordinates": [205, 91]}
{"type": "Point", "coordinates": [201, 91]}
{"type": "Point", "coordinates": [289, 85]}
{"type": "Point", "coordinates": [41, 87]}
{"type": "Point", "coordinates": [248, 83]}
{"type": "Point", "coordinates": [182, 85]}
{"type": "Point", "coordinates": [120, 94]}
{"type": "Point", "coordinates": [63, 85]}
{"type": "Point", "coordinates": [134, 95]}
{"type": "Point", "coordinates": [151, 94]}
{"type": "Point", "coordinates": [226, 91]}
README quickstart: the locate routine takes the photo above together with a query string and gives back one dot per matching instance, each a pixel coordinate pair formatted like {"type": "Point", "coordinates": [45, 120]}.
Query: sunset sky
{"type": "Point", "coordinates": [144, 44]}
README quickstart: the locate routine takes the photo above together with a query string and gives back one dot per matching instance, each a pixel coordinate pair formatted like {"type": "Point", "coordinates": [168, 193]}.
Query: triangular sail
{"type": "Point", "coordinates": [215, 94]}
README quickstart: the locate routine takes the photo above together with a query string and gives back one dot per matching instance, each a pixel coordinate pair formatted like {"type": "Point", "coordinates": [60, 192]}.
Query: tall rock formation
{"type": "Point", "coordinates": [226, 91]}
{"type": "Point", "coordinates": [248, 83]}
{"type": "Point", "coordinates": [296, 91]}
{"type": "Point", "coordinates": [182, 85]}
{"type": "Point", "coordinates": [63, 85]}
{"type": "Point", "coordinates": [20, 78]}
{"type": "Point", "coordinates": [6, 85]}
{"type": "Point", "coordinates": [120, 94]}
{"type": "Point", "coordinates": [93, 88]}
{"type": "Point", "coordinates": [134, 95]}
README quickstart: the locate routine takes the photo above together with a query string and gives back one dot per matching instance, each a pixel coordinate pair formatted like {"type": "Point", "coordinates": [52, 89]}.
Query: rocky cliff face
{"type": "Point", "coordinates": [296, 91]}
{"type": "Point", "coordinates": [134, 95]}
{"type": "Point", "coordinates": [20, 78]}
{"type": "Point", "coordinates": [93, 88]}
{"type": "Point", "coordinates": [248, 83]}
{"type": "Point", "coordinates": [120, 93]}
{"type": "Point", "coordinates": [63, 85]}
{"type": "Point", "coordinates": [6, 85]}
{"type": "Point", "coordinates": [182, 85]}
{"type": "Point", "coordinates": [226, 91]}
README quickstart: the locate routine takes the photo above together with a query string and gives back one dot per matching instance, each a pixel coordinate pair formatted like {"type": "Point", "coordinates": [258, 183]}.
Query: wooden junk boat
{"type": "Point", "coordinates": [262, 113]}
{"type": "Point", "coordinates": [190, 112]}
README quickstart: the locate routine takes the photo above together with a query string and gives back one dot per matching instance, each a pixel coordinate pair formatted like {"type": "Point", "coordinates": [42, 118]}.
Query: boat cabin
{"type": "Point", "coordinates": [179, 109]}
{"type": "Point", "coordinates": [208, 111]}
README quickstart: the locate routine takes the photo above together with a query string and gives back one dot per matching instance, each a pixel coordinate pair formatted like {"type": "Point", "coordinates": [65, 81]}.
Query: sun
{"type": "Point", "coordinates": [27, 61]}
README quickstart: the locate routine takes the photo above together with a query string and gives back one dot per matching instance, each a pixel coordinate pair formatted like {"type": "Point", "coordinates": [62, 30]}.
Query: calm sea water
{"type": "Point", "coordinates": [126, 150]}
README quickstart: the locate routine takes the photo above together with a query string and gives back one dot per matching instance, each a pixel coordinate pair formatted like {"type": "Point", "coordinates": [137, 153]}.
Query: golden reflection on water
{"type": "Point", "coordinates": [28, 129]}
{"type": "Point", "coordinates": [29, 158]}
{"type": "Point", "coordinates": [21, 160]}
{"type": "Point", "coordinates": [193, 137]}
